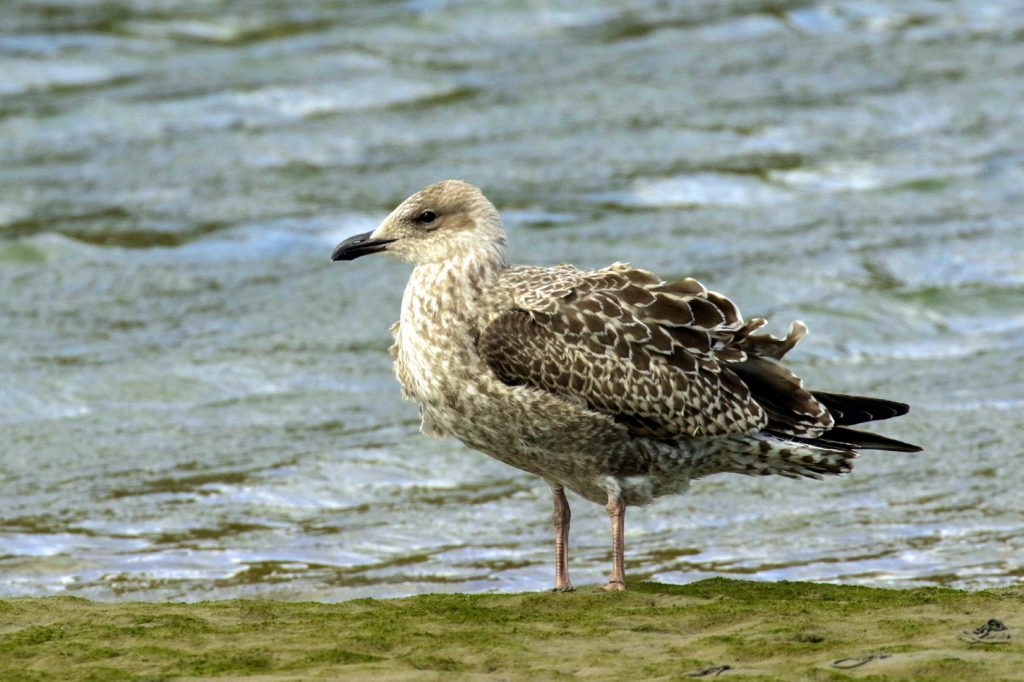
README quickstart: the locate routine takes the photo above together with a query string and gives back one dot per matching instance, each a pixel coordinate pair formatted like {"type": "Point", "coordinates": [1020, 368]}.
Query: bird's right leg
{"type": "Point", "coordinates": [560, 519]}
{"type": "Point", "coordinates": [617, 515]}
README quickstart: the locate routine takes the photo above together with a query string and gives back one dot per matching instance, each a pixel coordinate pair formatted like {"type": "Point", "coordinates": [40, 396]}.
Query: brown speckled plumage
{"type": "Point", "coordinates": [613, 383]}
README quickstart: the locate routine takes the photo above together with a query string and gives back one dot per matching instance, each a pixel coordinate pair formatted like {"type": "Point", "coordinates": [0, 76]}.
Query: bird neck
{"type": "Point", "coordinates": [450, 292]}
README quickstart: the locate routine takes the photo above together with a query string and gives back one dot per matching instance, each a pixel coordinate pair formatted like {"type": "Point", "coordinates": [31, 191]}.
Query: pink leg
{"type": "Point", "coordinates": [617, 515]}
{"type": "Point", "coordinates": [561, 520]}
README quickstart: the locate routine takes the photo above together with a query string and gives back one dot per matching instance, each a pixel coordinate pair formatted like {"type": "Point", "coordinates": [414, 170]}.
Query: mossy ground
{"type": "Point", "coordinates": [766, 631]}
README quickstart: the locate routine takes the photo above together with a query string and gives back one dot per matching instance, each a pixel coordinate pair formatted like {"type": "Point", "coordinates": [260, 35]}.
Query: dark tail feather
{"type": "Point", "coordinates": [847, 410]}
{"type": "Point", "coordinates": [843, 438]}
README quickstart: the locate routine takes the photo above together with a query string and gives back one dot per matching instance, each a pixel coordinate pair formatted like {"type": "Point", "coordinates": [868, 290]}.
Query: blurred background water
{"type": "Point", "coordinates": [196, 404]}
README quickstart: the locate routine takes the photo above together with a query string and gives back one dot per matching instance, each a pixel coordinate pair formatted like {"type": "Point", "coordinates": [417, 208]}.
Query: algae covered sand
{"type": "Point", "coordinates": [759, 630]}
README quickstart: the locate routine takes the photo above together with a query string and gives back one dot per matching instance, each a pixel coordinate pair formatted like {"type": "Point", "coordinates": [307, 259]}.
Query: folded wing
{"type": "Point", "coordinates": [666, 359]}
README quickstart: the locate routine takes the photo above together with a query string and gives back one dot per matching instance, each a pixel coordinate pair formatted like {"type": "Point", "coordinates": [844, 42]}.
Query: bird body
{"type": "Point", "coordinates": [612, 383]}
{"type": "Point", "coordinates": [438, 364]}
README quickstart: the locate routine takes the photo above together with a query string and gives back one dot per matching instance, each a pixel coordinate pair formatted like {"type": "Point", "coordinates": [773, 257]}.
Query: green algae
{"type": "Point", "coordinates": [762, 631]}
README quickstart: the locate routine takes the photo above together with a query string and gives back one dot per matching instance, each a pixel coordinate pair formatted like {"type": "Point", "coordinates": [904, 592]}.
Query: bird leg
{"type": "Point", "coordinates": [617, 514]}
{"type": "Point", "coordinates": [561, 521]}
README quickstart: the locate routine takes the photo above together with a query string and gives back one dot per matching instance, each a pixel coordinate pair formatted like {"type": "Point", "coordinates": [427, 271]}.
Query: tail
{"type": "Point", "coordinates": [795, 413]}
{"type": "Point", "coordinates": [800, 415]}
{"type": "Point", "coordinates": [856, 409]}
{"type": "Point", "coordinates": [847, 410]}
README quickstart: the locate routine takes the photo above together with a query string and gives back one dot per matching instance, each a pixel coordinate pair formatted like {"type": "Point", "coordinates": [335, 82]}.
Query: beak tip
{"type": "Point", "coordinates": [359, 245]}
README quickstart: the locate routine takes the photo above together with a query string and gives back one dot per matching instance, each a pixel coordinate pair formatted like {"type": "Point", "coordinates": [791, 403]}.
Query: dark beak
{"type": "Point", "coordinates": [359, 245]}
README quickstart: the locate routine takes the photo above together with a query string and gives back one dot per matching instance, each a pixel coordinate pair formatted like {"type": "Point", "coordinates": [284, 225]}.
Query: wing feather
{"type": "Point", "coordinates": [655, 355]}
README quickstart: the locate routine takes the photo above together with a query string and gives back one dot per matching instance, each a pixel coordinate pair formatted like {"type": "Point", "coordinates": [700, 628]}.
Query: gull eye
{"type": "Point", "coordinates": [426, 217]}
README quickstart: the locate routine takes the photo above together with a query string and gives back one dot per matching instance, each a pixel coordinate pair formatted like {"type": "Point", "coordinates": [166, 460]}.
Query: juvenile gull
{"type": "Point", "coordinates": [613, 383]}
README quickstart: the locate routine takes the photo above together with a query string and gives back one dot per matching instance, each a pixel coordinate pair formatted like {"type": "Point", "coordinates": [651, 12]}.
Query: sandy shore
{"type": "Point", "coordinates": [759, 630]}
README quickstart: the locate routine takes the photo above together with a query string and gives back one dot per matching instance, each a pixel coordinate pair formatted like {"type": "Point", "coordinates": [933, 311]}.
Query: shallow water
{"type": "Point", "coordinates": [196, 404]}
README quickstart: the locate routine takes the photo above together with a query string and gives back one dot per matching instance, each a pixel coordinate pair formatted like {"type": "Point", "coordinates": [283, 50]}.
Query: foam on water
{"type": "Point", "coordinates": [702, 189]}
{"type": "Point", "coordinates": [22, 76]}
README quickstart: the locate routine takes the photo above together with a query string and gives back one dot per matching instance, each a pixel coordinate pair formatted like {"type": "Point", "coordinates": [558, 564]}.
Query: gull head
{"type": "Point", "coordinates": [443, 221]}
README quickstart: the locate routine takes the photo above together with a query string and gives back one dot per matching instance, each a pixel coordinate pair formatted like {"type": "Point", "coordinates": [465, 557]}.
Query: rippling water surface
{"type": "Point", "coordinates": [196, 404]}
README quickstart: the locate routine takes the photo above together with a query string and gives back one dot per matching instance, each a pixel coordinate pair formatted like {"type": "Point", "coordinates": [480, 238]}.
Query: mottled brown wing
{"type": "Point", "coordinates": [653, 354]}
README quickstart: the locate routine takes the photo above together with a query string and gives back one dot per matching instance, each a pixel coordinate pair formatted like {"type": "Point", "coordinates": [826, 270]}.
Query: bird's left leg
{"type": "Point", "coordinates": [560, 519]}
{"type": "Point", "coordinates": [617, 514]}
